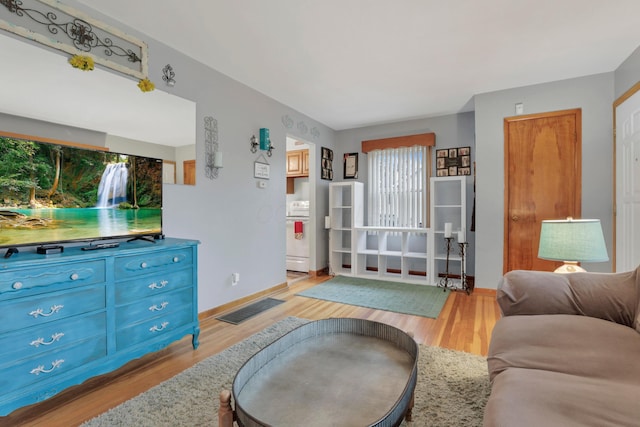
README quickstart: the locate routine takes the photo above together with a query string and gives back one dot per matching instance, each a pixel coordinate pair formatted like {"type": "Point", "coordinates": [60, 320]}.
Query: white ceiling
{"type": "Point", "coordinates": [351, 63]}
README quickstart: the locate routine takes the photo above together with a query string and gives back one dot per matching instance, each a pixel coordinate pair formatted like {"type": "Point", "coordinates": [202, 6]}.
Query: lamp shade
{"type": "Point", "coordinates": [572, 240]}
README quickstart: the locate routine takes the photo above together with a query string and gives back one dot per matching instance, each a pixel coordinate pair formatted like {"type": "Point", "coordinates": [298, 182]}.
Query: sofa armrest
{"type": "Point", "coordinates": [608, 296]}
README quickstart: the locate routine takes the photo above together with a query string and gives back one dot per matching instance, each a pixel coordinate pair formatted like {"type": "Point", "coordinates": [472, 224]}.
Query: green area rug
{"type": "Point", "coordinates": [406, 298]}
{"type": "Point", "coordinates": [452, 388]}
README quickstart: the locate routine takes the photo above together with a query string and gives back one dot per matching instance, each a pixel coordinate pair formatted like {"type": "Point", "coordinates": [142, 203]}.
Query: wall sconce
{"type": "Point", "coordinates": [217, 159]}
{"type": "Point", "coordinates": [213, 155]}
{"type": "Point", "coordinates": [168, 75]}
{"type": "Point", "coordinates": [572, 241]}
{"type": "Point", "coordinates": [214, 163]}
{"type": "Point", "coordinates": [265, 142]}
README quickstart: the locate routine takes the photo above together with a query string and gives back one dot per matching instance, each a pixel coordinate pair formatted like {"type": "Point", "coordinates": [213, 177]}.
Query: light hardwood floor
{"type": "Point", "coordinates": [465, 324]}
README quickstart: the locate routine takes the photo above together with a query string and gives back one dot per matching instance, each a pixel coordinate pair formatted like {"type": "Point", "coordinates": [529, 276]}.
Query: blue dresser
{"type": "Point", "coordinates": [67, 317]}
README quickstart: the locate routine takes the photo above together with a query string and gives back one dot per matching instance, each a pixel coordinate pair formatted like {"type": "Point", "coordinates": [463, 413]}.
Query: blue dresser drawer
{"type": "Point", "coordinates": [39, 309]}
{"type": "Point", "coordinates": [151, 329]}
{"type": "Point", "coordinates": [76, 274]}
{"type": "Point", "coordinates": [154, 261]}
{"type": "Point", "coordinates": [154, 306]}
{"type": "Point", "coordinates": [68, 317]}
{"type": "Point", "coordinates": [51, 336]}
{"type": "Point", "coordinates": [154, 284]}
{"type": "Point", "coordinates": [53, 363]}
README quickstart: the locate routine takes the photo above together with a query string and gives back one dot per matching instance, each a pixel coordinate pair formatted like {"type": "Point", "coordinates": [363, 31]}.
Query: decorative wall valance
{"type": "Point", "coordinates": [61, 27]}
{"type": "Point", "coordinates": [424, 139]}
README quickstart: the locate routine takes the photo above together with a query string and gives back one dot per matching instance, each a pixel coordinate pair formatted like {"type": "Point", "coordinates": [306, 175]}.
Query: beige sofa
{"type": "Point", "coordinates": [566, 351]}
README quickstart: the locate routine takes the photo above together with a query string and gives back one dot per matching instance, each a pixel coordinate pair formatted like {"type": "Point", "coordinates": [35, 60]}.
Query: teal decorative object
{"type": "Point", "coordinates": [265, 142]}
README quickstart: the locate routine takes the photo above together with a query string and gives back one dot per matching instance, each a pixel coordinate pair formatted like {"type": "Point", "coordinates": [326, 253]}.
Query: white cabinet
{"type": "Point", "coordinates": [346, 212]}
{"type": "Point", "coordinates": [389, 253]}
{"type": "Point", "coordinates": [448, 205]}
{"type": "Point", "coordinates": [414, 255]}
{"type": "Point", "coordinates": [393, 253]}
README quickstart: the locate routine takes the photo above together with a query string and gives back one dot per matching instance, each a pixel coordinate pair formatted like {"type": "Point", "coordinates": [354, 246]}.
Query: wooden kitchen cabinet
{"type": "Point", "coordinates": [298, 163]}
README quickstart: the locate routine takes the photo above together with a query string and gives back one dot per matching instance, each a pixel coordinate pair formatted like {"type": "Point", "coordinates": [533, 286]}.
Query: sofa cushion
{"type": "Point", "coordinates": [609, 296]}
{"type": "Point", "coordinates": [575, 345]}
{"type": "Point", "coordinates": [530, 397]}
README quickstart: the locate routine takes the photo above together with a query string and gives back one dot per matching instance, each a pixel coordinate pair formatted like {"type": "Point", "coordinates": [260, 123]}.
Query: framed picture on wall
{"type": "Point", "coordinates": [261, 170]}
{"type": "Point", "coordinates": [351, 165]}
{"type": "Point", "coordinates": [326, 163]}
{"type": "Point", "coordinates": [453, 161]}
{"type": "Point", "coordinates": [442, 153]}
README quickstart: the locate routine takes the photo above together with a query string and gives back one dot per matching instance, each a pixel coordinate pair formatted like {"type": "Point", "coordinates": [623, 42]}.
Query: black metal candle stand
{"type": "Point", "coordinates": [464, 285]}
{"type": "Point", "coordinates": [446, 282]}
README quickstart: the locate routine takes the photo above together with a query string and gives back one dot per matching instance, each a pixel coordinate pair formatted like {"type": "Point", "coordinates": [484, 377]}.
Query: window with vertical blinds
{"type": "Point", "coordinates": [397, 194]}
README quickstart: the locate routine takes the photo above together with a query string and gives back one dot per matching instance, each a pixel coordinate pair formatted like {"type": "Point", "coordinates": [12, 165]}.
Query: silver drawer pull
{"type": "Point", "coordinates": [162, 284]}
{"type": "Point", "coordinates": [40, 341]}
{"type": "Point", "coordinates": [176, 259]}
{"type": "Point", "coordinates": [40, 312]}
{"type": "Point", "coordinates": [156, 328]}
{"type": "Point", "coordinates": [156, 308]}
{"type": "Point", "coordinates": [17, 285]}
{"type": "Point", "coordinates": [40, 369]}
{"type": "Point", "coordinates": [143, 265]}
{"type": "Point", "coordinates": [75, 276]}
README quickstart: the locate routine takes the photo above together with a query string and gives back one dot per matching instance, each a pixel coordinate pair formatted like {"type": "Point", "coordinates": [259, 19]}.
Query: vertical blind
{"type": "Point", "coordinates": [397, 183]}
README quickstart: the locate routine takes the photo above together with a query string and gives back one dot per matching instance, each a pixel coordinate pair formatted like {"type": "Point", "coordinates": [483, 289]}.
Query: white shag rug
{"type": "Point", "coordinates": [452, 388]}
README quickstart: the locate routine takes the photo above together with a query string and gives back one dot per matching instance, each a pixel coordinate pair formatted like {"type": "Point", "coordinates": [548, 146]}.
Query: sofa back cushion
{"type": "Point", "coordinates": [609, 296]}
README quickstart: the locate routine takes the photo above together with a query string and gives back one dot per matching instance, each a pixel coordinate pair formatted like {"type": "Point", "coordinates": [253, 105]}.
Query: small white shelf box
{"type": "Point", "coordinates": [393, 253]}
{"type": "Point", "coordinates": [448, 204]}
{"type": "Point", "coordinates": [346, 211]}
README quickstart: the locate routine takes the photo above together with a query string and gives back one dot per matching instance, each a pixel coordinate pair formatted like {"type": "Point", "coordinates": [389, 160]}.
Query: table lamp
{"type": "Point", "coordinates": [572, 241]}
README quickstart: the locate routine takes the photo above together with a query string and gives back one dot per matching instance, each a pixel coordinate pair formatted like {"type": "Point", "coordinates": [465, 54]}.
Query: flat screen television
{"type": "Point", "coordinates": [53, 193]}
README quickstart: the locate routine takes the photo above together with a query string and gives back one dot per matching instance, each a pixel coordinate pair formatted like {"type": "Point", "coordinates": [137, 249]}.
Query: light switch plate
{"type": "Point", "coordinates": [519, 108]}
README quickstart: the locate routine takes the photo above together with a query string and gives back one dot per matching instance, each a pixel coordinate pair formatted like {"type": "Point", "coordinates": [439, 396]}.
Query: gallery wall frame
{"type": "Point", "coordinates": [453, 161]}
{"type": "Point", "coordinates": [350, 165]}
{"type": "Point", "coordinates": [326, 163]}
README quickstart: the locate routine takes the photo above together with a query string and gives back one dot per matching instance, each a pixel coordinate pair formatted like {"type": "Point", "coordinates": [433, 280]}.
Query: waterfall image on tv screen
{"type": "Point", "coordinates": [57, 193]}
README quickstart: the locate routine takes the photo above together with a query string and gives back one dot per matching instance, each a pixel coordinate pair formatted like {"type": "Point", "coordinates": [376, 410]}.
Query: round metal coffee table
{"type": "Point", "coordinates": [342, 371]}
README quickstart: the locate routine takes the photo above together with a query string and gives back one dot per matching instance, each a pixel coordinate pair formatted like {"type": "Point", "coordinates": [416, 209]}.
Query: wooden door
{"type": "Point", "coordinates": [543, 180]}
{"type": "Point", "coordinates": [627, 179]}
{"type": "Point", "coordinates": [189, 172]}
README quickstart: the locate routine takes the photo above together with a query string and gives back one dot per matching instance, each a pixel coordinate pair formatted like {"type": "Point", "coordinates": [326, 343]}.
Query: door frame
{"type": "Point", "coordinates": [621, 99]}
{"type": "Point", "coordinates": [578, 191]}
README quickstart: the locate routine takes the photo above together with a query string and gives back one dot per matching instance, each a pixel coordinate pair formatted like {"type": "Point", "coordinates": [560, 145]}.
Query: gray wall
{"type": "Point", "coordinates": [119, 144]}
{"type": "Point", "coordinates": [241, 227]}
{"type": "Point", "coordinates": [628, 73]}
{"type": "Point", "coordinates": [31, 127]}
{"type": "Point", "coordinates": [455, 130]}
{"type": "Point", "coordinates": [594, 95]}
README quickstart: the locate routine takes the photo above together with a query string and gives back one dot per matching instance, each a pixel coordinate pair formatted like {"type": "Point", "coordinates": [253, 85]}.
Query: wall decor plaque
{"type": "Point", "coordinates": [64, 28]}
